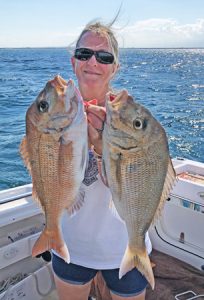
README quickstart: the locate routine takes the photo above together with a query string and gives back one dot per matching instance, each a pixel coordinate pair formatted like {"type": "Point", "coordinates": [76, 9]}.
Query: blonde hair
{"type": "Point", "coordinates": [104, 31]}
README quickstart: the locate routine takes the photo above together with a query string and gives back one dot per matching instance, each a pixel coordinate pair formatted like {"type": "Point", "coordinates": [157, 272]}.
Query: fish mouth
{"type": "Point", "coordinates": [60, 122]}
{"type": "Point", "coordinates": [127, 138]}
{"type": "Point", "coordinates": [62, 118]}
{"type": "Point", "coordinates": [52, 130]}
{"type": "Point", "coordinates": [58, 83]}
{"type": "Point", "coordinates": [129, 148]}
{"type": "Point", "coordinates": [123, 148]}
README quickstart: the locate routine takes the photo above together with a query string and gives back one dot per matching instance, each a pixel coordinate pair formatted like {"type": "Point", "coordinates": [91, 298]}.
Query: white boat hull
{"type": "Point", "coordinates": [178, 232]}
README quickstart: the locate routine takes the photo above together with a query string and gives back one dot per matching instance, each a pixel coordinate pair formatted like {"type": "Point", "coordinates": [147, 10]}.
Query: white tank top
{"type": "Point", "coordinates": [95, 236]}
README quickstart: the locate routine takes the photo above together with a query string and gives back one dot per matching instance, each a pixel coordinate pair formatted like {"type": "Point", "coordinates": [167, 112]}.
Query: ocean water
{"type": "Point", "coordinates": [169, 82]}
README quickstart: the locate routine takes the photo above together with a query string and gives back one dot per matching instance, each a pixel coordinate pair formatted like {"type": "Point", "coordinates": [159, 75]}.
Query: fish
{"type": "Point", "coordinates": [55, 151]}
{"type": "Point", "coordinates": [138, 169]}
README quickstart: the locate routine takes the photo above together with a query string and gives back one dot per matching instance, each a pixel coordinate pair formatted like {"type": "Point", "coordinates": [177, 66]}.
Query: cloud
{"type": "Point", "coordinates": [162, 33]}
{"type": "Point", "coordinates": [150, 33]}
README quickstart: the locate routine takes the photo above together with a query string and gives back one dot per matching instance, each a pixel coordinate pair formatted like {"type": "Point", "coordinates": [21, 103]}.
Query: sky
{"type": "Point", "coordinates": [141, 23]}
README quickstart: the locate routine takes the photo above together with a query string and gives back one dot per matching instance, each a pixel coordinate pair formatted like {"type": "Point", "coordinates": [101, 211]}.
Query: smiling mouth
{"type": "Point", "coordinates": [91, 72]}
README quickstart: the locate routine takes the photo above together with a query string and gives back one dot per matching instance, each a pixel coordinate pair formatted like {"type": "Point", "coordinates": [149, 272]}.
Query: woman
{"type": "Point", "coordinates": [96, 238]}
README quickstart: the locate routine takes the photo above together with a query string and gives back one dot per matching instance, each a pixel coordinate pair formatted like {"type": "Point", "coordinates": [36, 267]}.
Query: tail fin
{"type": "Point", "coordinates": [140, 260]}
{"type": "Point", "coordinates": [51, 240]}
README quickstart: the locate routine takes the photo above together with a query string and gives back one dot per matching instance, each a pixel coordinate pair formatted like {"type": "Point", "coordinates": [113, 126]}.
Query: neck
{"type": "Point", "coordinates": [89, 94]}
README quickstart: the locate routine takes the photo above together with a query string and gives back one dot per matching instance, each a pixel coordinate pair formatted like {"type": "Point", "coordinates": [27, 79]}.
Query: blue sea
{"type": "Point", "coordinates": [169, 82]}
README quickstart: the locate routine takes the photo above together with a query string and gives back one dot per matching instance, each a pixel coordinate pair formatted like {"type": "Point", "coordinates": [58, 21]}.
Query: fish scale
{"type": "Point", "coordinates": [55, 151]}
{"type": "Point", "coordinates": [139, 172]}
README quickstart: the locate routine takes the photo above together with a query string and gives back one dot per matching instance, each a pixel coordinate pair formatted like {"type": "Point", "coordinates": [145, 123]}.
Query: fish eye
{"type": "Point", "coordinates": [43, 106]}
{"type": "Point", "coordinates": [137, 124]}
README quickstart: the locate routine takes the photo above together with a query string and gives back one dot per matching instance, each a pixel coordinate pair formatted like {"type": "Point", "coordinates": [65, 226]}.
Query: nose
{"type": "Point", "coordinates": [92, 61]}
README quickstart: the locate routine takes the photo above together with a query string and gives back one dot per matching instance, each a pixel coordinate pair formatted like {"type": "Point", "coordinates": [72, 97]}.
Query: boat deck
{"type": "Point", "coordinates": [178, 232]}
{"type": "Point", "coordinates": [172, 277]}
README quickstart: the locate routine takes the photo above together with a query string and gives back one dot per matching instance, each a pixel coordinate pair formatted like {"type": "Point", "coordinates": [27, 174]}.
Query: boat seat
{"type": "Point", "coordinates": [173, 278]}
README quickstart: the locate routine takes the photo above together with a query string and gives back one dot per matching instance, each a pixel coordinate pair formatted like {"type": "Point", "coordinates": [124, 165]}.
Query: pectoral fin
{"type": "Point", "coordinates": [168, 185]}
{"type": "Point", "coordinates": [24, 153]}
{"type": "Point", "coordinates": [115, 165]}
{"type": "Point", "coordinates": [102, 172]}
{"type": "Point", "coordinates": [78, 203]}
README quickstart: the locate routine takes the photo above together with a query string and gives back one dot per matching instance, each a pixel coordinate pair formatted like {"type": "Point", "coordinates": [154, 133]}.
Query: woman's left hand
{"type": "Point", "coordinates": [96, 117]}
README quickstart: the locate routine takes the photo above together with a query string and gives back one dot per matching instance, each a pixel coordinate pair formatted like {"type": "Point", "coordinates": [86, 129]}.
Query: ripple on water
{"type": "Point", "coordinates": [168, 82]}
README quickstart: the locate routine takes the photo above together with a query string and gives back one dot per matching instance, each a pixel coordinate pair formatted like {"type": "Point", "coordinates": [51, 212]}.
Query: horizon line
{"type": "Point", "coordinates": [61, 47]}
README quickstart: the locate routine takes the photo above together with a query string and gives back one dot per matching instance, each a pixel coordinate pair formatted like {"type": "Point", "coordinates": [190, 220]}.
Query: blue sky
{"type": "Point", "coordinates": [141, 23]}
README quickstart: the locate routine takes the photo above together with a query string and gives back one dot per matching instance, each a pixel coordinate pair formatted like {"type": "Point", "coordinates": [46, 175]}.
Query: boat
{"type": "Point", "coordinates": [177, 238]}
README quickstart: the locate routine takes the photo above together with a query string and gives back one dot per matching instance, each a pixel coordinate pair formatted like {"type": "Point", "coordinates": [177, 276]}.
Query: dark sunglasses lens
{"type": "Point", "coordinates": [83, 54]}
{"type": "Point", "coordinates": [104, 57]}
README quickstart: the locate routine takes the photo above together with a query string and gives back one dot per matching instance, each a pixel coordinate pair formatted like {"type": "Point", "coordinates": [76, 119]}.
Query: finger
{"type": "Point", "coordinates": [95, 139]}
{"type": "Point", "coordinates": [99, 111]}
{"type": "Point", "coordinates": [94, 135]}
{"type": "Point", "coordinates": [95, 121]}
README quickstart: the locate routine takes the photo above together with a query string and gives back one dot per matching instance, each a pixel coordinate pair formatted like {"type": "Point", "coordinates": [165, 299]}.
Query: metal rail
{"type": "Point", "coordinates": [184, 198]}
{"type": "Point", "coordinates": [189, 294]}
{"type": "Point", "coordinates": [15, 197]}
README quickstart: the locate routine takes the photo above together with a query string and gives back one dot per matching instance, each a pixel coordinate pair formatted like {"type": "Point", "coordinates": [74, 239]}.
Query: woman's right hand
{"type": "Point", "coordinates": [96, 116]}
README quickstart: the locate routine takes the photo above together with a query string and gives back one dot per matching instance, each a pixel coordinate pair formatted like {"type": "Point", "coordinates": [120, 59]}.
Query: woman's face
{"type": "Point", "coordinates": [91, 74]}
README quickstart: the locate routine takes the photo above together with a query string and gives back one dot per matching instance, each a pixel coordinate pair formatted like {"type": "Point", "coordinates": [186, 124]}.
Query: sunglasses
{"type": "Point", "coordinates": [101, 56]}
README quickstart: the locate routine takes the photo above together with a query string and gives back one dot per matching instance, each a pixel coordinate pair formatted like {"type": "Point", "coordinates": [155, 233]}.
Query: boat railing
{"type": "Point", "coordinates": [15, 197]}
{"type": "Point", "coordinates": [190, 296]}
{"type": "Point", "coordinates": [187, 203]}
